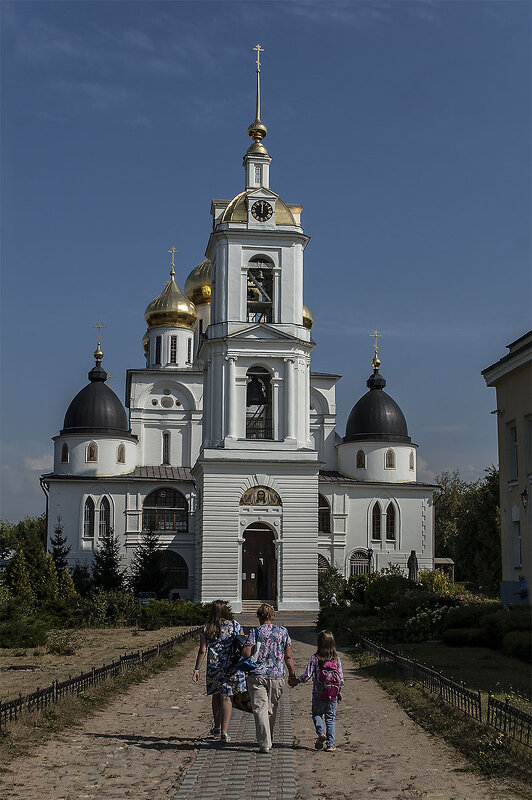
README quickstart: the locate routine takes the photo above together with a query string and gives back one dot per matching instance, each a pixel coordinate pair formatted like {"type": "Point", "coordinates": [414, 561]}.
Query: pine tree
{"type": "Point", "coordinates": [82, 579]}
{"type": "Point", "coordinates": [50, 580]}
{"type": "Point", "coordinates": [146, 569]}
{"type": "Point", "coordinates": [67, 591]}
{"type": "Point", "coordinates": [106, 572]}
{"type": "Point", "coordinates": [16, 578]}
{"type": "Point", "coordinates": [59, 549]}
{"type": "Point", "coordinates": [35, 557]}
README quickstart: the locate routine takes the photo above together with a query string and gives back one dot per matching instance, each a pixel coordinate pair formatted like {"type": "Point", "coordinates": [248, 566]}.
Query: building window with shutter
{"type": "Point", "coordinates": [166, 448]}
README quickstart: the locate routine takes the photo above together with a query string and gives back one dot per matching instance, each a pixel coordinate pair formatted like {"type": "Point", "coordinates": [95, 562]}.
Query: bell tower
{"type": "Point", "coordinates": [256, 351]}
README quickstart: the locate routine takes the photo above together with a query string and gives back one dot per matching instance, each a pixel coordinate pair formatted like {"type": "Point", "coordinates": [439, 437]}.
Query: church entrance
{"type": "Point", "coordinates": [259, 565]}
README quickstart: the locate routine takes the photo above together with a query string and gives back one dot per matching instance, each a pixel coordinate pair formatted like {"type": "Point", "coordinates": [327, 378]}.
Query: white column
{"type": "Point", "coordinates": [274, 383]}
{"type": "Point", "coordinates": [289, 389]}
{"type": "Point", "coordinates": [231, 410]}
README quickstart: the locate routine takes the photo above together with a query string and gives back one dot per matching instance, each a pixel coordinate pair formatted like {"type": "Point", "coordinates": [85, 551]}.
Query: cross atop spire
{"type": "Point", "coordinates": [173, 251]}
{"type": "Point", "coordinates": [257, 130]}
{"type": "Point", "coordinates": [376, 362]}
{"type": "Point", "coordinates": [98, 353]}
{"type": "Point", "coordinates": [259, 50]}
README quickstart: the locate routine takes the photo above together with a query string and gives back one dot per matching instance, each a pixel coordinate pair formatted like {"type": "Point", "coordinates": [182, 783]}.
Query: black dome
{"type": "Point", "coordinates": [96, 410]}
{"type": "Point", "coordinates": [376, 416]}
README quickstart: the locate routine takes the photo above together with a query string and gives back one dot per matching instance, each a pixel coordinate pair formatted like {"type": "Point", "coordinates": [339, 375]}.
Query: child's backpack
{"type": "Point", "coordinates": [328, 680]}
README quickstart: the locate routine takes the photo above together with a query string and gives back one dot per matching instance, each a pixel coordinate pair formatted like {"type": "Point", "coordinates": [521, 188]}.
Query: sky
{"type": "Point", "coordinates": [402, 128]}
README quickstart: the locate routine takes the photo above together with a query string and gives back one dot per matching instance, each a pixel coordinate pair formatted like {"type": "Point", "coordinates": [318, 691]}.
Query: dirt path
{"type": "Point", "coordinates": [141, 745]}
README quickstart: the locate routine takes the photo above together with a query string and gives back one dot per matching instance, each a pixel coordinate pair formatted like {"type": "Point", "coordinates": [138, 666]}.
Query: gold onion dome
{"type": "Point", "coordinates": [146, 342]}
{"type": "Point", "coordinates": [198, 284]}
{"type": "Point", "coordinates": [308, 319]}
{"type": "Point", "coordinates": [171, 308]}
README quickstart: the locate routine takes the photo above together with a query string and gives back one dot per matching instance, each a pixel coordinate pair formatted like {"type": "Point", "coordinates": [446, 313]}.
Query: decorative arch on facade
{"type": "Point", "coordinates": [324, 514]}
{"type": "Point", "coordinates": [361, 460]}
{"type": "Point", "coordinates": [121, 453]}
{"type": "Point", "coordinates": [260, 496]}
{"type": "Point", "coordinates": [391, 522]}
{"type": "Point", "coordinates": [376, 521]}
{"type": "Point", "coordinates": [165, 509]}
{"type": "Point", "coordinates": [92, 452]}
{"type": "Point", "coordinates": [389, 459]}
{"type": "Point", "coordinates": [174, 569]}
{"type": "Point", "coordinates": [319, 402]}
{"type": "Point", "coordinates": [178, 391]}
{"type": "Point", "coordinates": [323, 564]}
{"type": "Point", "coordinates": [88, 518]}
{"type": "Point", "coordinates": [104, 519]}
{"type": "Point", "coordinates": [411, 460]}
{"type": "Point", "coordinates": [359, 563]}
{"type": "Point", "coordinates": [65, 455]}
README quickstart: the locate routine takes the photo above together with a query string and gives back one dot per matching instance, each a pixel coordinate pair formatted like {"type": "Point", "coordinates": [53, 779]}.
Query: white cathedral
{"type": "Point", "coordinates": [231, 451]}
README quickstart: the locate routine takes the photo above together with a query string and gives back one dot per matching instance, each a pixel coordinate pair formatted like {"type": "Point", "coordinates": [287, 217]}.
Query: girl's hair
{"type": "Point", "coordinates": [326, 647]}
{"type": "Point", "coordinates": [219, 612]}
{"type": "Point", "coordinates": [265, 613]}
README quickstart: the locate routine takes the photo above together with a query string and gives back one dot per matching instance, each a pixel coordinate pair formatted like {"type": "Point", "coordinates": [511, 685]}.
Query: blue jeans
{"type": "Point", "coordinates": [327, 709]}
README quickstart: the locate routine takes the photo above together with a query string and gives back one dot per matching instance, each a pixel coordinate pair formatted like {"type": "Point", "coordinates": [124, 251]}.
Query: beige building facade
{"type": "Point", "coordinates": [511, 377]}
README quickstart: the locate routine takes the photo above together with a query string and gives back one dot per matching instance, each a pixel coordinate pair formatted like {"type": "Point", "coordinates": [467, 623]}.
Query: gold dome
{"type": "Point", "coordinates": [237, 210]}
{"type": "Point", "coordinates": [146, 342]}
{"type": "Point", "coordinates": [198, 284]}
{"type": "Point", "coordinates": [308, 319]}
{"type": "Point", "coordinates": [171, 308]}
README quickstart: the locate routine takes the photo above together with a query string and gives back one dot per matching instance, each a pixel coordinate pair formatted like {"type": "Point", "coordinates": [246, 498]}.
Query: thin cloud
{"type": "Point", "coordinates": [424, 473]}
{"type": "Point", "coordinates": [39, 41]}
{"type": "Point", "coordinates": [101, 96]}
{"type": "Point", "coordinates": [39, 464]}
{"type": "Point", "coordinates": [343, 12]}
{"type": "Point", "coordinates": [445, 428]}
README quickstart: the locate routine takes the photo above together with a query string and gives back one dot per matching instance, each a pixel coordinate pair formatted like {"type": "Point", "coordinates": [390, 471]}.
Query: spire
{"type": "Point", "coordinates": [376, 362]}
{"type": "Point", "coordinates": [98, 373]}
{"type": "Point", "coordinates": [257, 130]}
{"type": "Point", "coordinates": [98, 353]}
{"type": "Point", "coordinates": [173, 251]}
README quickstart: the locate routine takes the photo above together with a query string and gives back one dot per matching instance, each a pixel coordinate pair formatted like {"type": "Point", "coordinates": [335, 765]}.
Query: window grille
{"type": "Point", "coordinates": [165, 510]}
{"type": "Point", "coordinates": [88, 519]}
{"type": "Point", "coordinates": [173, 349]}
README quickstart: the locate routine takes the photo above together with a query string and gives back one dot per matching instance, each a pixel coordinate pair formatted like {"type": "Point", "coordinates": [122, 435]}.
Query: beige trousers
{"type": "Point", "coordinates": [265, 694]}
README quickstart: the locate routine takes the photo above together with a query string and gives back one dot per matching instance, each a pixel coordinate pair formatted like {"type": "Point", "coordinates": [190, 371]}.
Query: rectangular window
{"type": "Point", "coordinates": [166, 448]}
{"type": "Point", "coordinates": [173, 349]}
{"type": "Point", "coordinates": [200, 333]}
{"type": "Point", "coordinates": [158, 343]}
{"type": "Point", "coordinates": [258, 176]}
{"type": "Point", "coordinates": [513, 467]}
{"type": "Point", "coordinates": [516, 535]}
{"type": "Point", "coordinates": [189, 350]}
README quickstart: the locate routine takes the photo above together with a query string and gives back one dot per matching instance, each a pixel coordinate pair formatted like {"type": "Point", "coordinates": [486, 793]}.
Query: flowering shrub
{"type": "Point", "coordinates": [426, 624]}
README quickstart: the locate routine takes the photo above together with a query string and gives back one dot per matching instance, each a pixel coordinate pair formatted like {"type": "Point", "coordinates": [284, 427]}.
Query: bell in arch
{"type": "Point", "coordinates": [255, 393]}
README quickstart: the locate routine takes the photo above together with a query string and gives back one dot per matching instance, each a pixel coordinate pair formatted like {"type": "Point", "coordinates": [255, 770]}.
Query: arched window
{"type": "Point", "coordinates": [158, 347]}
{"type": "Point", "coordinates": [105, 517]}
{"type": "Point", "coordinates": [411, 460]}
{"type": "Point", "coordinates": [323, 564]}
{"type": "Point", "coordinates": [64, 453]}
{"type": "Point", "coordinates": [361, 460]}
{"type": "Point", "coordinates": [259, 417]}
{"type": "Point", "coordinates": [166, 447]}
{"type": "Point", "coordinates": [389, 459]}
{"type": "Point", "coordinates": [260, 290]}
{"type": "Point", "coordinates": [174, 569]}
{"type": "Point", "coordinates": [88, 519]}
{"type": "Point", "coordinates": [165, 510]}
{"type": "Point", "coordinates": [324, 514]}
{"type": "Point", "coordinates": [92, 451]}
{"type": "Point", "coordinates": [376, 522]}
{"type": "Point", "coordinates": [121, 454]}
{"type": "Point", "coordinates": [390, 521]}
{"type": "Point", "coordinates": [359, 563]}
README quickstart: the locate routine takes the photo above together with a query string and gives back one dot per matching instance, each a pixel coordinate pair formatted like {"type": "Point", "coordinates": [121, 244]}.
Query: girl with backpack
{"type": "Point", "coordinates": [325, 669]}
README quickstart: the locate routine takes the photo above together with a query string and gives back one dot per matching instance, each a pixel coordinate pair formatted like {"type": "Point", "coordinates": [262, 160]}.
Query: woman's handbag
{"type": "Point", "coordinates": [242, 701]}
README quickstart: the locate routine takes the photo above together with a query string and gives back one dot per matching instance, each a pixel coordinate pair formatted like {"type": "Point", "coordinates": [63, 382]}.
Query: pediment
{"type": "Point", "coordinates": [261, 331]}
{"type": "Point", "coordinates": [262, 193]}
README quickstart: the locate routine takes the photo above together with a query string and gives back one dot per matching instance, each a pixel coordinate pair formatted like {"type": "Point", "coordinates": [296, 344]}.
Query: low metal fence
{"type": "Point", "coordinates": [449, 691]}
{"type": "Point", "coordinates": [41, 698]}
{"type": "Point", "coordinates": [511, 721]}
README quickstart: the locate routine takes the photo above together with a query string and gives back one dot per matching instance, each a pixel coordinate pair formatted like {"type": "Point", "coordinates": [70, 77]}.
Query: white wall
{"type": "Point", "coordinates": [375, 454]}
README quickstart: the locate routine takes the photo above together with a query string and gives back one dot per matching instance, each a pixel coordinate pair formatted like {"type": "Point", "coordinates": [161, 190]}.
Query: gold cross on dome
{"type": "Point", "coordinates": [99, 325]}
{"type": "Point", "coordinates": [259, 50]}
{"type": "Point", "coordinates": [376, 334]}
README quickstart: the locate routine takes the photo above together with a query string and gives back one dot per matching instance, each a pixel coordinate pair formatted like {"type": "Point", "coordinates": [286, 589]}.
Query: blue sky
{"type": "Point", "coordinates": [401, 127]}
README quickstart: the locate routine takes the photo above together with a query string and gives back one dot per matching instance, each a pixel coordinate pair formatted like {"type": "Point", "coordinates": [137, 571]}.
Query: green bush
{"type": "Point", "coordinates": [23, 632]}
{"type": "Point", "coordinates": [163, 613]}
{"type": "Point", "coordinates": [330, 582]}
{"type": "Point", "coordinates": [408, 607]}
{"type": "Point", "coordinates": [518, 644]}
{"type": "Point", "coordinates": [386, 589]}
{"type": "Point", "coordinates": [468, 615]}
{"type": "Point", "coordinates": [463, 637]}
{"type": "Point", "coordinates": [356, 587]}
{"type": "Point", "coordinates": [496, 625]}
{"type": "Point", "coordinates": [62, 643]}
{"type": "Point", "coordinates": [426, 624]}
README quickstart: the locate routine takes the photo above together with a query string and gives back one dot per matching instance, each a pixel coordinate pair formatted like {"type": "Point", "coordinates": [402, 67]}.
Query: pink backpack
{"type": "Point", "coordinates": [328, 681]}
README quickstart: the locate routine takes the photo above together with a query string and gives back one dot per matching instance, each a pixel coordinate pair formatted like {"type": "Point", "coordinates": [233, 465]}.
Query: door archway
{"type": "Point", "coordinates": [259, 563]}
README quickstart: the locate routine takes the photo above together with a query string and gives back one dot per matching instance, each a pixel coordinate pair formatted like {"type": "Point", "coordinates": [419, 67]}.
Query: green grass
{"type": "Point", "coordinates": [487, 751]}
{"type": "Point", "coordinates": [478, 668]}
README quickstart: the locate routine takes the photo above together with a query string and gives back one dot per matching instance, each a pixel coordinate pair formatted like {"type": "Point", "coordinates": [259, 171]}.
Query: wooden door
{"type": "Point", "coordinates": [259, 566]}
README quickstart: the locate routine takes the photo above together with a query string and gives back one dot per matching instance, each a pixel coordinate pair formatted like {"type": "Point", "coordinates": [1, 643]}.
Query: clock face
{"type": "Point", "coordinates": [261, 210]}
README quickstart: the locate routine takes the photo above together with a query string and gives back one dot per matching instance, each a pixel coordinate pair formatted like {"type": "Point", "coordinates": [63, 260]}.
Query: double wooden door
{"type": "Point", "coordinates": [259, 565]}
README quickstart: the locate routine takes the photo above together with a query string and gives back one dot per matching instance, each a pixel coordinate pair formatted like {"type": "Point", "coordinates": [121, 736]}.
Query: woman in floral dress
{"type": "Point", "coordinates": [216, 641]}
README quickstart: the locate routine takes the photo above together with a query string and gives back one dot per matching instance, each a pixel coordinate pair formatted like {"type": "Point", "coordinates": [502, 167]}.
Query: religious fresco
{"type": "Point", "coordinates": [260, 496]}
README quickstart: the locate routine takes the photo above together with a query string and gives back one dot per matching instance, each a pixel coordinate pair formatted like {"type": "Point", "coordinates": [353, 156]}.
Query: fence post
{"type": "Point", "coordinates": [506, 701]}
{"type": "Point", "coordinates": [479, 705]}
